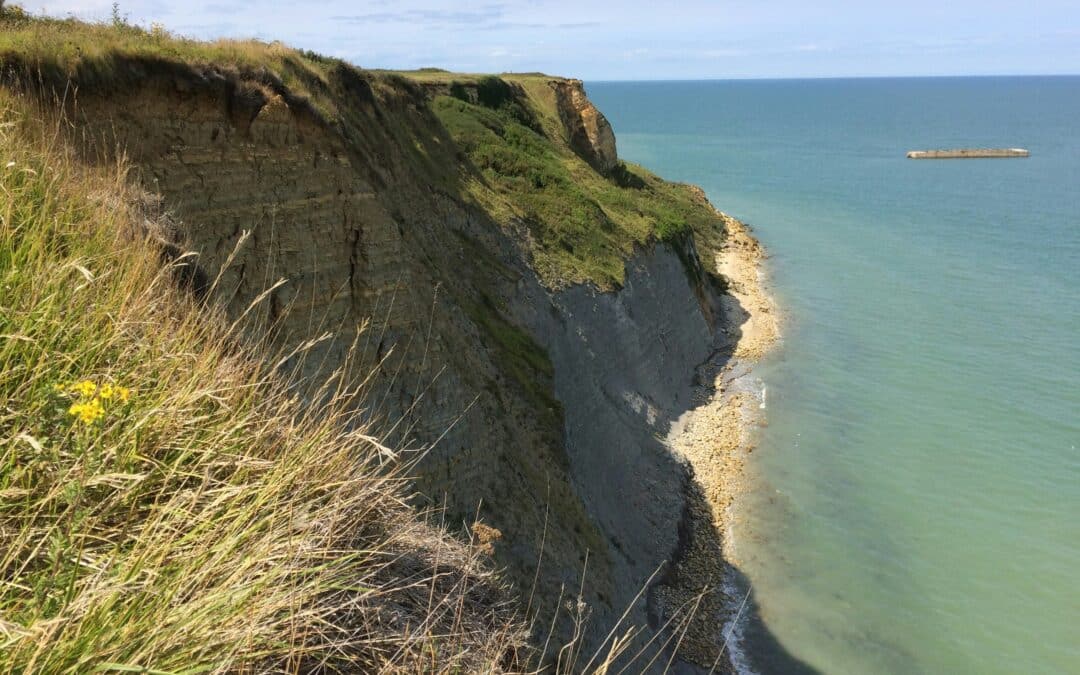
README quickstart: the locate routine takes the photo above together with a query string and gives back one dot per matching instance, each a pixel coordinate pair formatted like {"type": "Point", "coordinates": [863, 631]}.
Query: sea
{"type": "Point", "coordinates": [913, 504]}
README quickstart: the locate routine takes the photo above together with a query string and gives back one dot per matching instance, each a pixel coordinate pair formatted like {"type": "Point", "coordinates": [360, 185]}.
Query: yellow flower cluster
{"type": "Point", "coordinates": [88, 412]}
{"type": "Point", "coordinates": [109, 392]}
{"type": "Point", "coordinates": [92, 399]}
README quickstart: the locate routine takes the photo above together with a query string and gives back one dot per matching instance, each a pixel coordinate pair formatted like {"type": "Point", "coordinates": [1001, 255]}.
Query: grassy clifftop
{"type": "Point", "coordinates": [583, 225]}
{"type": "Point", "coordinates": [511, 153]}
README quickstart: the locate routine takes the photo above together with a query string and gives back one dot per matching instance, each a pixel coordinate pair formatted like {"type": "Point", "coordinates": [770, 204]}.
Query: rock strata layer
{"type": "Point", "coordinates": [589, 131]}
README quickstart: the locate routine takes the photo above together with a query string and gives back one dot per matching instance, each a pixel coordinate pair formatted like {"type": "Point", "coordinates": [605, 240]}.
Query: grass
{"type": "Point", "coordinates": [440, 76]}
{"type": "Point", "coordinates": [103, 58]}
{"type": "Point", "coordinates": [212, 522]}
{"type": "Point", "coordinates": [92, 51]}
{"type": "Point", "coordinates": [204, 519]}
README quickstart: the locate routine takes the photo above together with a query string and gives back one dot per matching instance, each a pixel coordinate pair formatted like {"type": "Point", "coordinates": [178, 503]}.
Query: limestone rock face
{"type": "Point", "coordinates": [589, 132]}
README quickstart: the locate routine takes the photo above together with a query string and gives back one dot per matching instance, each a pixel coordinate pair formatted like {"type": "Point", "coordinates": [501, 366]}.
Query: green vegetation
{"type": "Point", "coordinates": [520, 357]}
{"type": "Point", "coordinates": [439, 76]}
{"type": "Point", "coordinates": [167, 503]}
{"type": "Point", "coordinates": [583, 225]}
{"type": "Point", "coordinates": [115, 57]}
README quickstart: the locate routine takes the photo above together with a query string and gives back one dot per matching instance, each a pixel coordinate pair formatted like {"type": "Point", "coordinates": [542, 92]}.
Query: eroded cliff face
{"type": "Point", "coordinates": [589, 132]}
{"type": "Point", "coordinates": [542, 411]}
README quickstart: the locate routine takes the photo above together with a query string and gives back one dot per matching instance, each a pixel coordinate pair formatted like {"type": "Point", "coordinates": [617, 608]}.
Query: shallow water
{"type": "Point", "coordinates": [915, 502]}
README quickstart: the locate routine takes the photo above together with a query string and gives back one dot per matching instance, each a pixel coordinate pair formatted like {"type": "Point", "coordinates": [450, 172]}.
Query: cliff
{"type": "Point", "coordinates": [529, 313]}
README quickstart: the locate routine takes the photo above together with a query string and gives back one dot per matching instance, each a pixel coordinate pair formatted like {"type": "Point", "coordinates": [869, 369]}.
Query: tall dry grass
{"type": "Point", "coordinates": [212, 522]}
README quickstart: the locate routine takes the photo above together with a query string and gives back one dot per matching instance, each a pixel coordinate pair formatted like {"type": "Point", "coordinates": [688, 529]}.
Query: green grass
{"type": "Point", "coordinates": [371, 111]}
{"type": "Point", "coordinates": [213, 522]}
{"type": "Point", "coordinates": [439, 76]}
{"type": "Point", "coordinates": [102, 58]}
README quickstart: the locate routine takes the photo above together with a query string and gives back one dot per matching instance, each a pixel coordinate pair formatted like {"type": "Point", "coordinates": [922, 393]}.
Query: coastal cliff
{"type": "Point", "coordinates": [534, 319]}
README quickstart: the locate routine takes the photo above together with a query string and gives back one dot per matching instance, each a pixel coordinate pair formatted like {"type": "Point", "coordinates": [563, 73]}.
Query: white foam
{"type": "Point", "coordinates": [735, 627]}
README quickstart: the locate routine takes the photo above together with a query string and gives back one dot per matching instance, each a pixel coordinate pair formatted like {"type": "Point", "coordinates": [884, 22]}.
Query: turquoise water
{"type": "Point", "coordinates": [915, 503]}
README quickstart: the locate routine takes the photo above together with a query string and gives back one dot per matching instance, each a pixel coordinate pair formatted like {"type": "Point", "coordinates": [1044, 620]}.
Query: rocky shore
{"type": "Point", "coordinates": [715, 438]}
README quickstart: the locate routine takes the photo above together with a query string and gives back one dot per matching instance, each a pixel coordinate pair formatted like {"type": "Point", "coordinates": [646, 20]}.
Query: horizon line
{"type": "Point", "coordinates": [788, 78]}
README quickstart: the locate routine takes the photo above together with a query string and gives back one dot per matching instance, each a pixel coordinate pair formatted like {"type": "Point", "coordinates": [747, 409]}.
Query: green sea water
{"type": "Point", "coordinates": [914, 503]}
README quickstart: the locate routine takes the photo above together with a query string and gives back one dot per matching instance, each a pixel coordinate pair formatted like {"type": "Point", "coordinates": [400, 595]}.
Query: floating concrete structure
{"type": "Point", "coordinates": [969, 153]}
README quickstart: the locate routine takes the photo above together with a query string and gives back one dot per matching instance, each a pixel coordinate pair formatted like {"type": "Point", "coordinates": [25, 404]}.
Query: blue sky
{"type": "Point", "coordinates": [636, 39]}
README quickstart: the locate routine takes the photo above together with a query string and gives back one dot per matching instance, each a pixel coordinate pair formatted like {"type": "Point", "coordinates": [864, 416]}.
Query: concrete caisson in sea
{"type": "Point", "coordinates": [969, 153]}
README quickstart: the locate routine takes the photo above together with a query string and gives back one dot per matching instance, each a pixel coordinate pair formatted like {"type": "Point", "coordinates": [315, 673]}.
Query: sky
{"type": "Point", "coordinates": [642, 39]}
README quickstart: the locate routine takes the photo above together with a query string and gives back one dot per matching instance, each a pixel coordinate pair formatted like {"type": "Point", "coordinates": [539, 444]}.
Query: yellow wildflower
{"type": "Point", "coordinates": [88, 412]}
{"type": "Point", "coordinates": [86, 388]}
{"type": "Point", "coordinates": [106, 392]}
{"type": "Point", "coordinates": [123, 393]}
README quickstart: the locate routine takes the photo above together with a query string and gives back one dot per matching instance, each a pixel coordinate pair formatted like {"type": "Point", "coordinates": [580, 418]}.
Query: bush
{"type": "Point", "coordinates": [458, 91]}
{"type": "Point", "coordinates": [13, 14]}
{"type": "Point", "coordinates": [494, 92]}
{"type": "Point", "coordinates": [622, 176]}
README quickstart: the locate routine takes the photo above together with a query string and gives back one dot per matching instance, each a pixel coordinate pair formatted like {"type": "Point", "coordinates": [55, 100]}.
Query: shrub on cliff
{"type": "Point", "coordinates": [493, 92]}
{"type": "Point", "coordinates": [13, 14]}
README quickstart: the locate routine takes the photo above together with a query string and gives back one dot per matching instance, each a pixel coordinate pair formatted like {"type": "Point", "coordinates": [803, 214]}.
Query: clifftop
{"type": "Point", "coordinates": [519, 132]}
{"type": "Point", "coordinates": [584, 128]}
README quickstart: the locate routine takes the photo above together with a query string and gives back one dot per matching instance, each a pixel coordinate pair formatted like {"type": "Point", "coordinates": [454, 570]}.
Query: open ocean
{"type": "Point", "coordinates": [915, 497]}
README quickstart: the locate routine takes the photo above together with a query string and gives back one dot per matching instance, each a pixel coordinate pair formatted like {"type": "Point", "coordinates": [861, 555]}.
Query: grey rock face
{"type": "Point", "coordinates": [624, 368]}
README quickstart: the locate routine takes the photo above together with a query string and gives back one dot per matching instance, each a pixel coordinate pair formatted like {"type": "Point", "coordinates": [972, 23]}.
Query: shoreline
{"type": "Point", "coordinates": [714, 438]}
